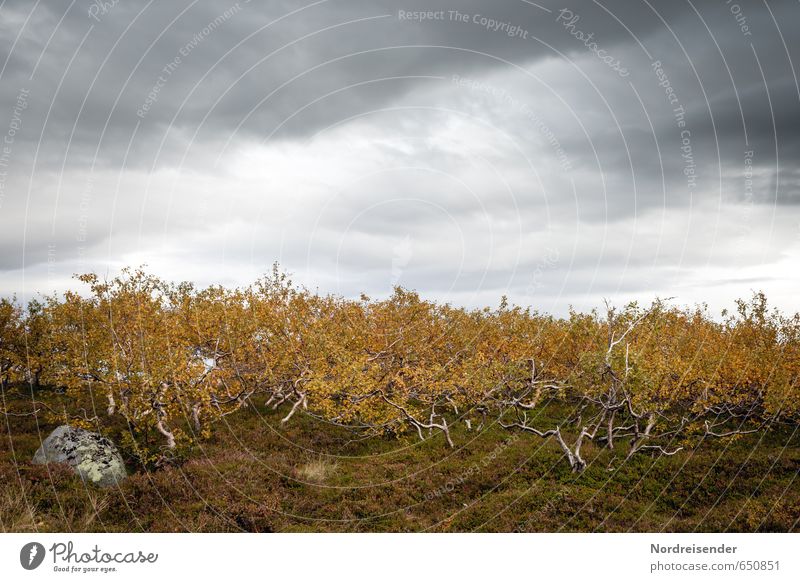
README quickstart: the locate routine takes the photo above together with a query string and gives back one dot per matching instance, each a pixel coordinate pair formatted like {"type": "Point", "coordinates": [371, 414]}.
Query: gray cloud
{"type": "Point", "coordinates": [362, 147]}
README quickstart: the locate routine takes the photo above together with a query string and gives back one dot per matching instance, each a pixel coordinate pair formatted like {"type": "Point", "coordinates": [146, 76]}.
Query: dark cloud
{"type": "Point", "coordinates": [347, 137]}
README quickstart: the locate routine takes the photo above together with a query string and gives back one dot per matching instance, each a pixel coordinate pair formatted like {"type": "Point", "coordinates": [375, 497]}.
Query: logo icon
{"type": "Point", "coordinates": [31, 555]}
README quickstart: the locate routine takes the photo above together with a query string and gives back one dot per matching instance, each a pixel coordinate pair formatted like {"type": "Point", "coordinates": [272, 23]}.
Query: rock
{"type": "Point", "coordinates": [92, 456]}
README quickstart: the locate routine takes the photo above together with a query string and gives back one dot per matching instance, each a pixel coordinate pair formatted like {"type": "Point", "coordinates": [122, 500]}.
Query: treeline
{"type": "Point", "coordinates": [171, 359]}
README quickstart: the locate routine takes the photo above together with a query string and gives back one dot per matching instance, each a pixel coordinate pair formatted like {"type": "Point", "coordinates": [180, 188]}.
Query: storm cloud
{"type": "Point", "coordinates": [556, 153]}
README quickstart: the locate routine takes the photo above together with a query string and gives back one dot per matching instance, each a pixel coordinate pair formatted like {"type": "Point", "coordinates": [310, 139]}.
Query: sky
{"type": "Point", "coordinates": [557, 153]}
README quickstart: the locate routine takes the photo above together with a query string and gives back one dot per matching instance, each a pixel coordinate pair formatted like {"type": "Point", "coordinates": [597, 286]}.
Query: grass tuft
{"type": "Point", "coordinates": [317, 471]}
{"type": "Point", "coordinates": [17, 514]}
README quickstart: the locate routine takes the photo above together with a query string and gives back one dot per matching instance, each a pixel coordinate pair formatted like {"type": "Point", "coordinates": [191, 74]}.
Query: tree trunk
{"type": "Point", "coordinates": [576, 462]}
{"type": "Point", "coordinates": [169, 436]}
{"type": "Point", "coordinates": [196, 417]}
{"type": "Point", "coordinates": [297, 405]}
{"type": "Point", "coordinates": [446, 432]}
{"type": "Point", "coordinates": [112, 404]}
{"type": "Point", "coordinates": [610, 429]}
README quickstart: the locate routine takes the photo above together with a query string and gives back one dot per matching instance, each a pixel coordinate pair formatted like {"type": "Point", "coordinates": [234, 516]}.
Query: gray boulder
{"type": "Point", "coordinates": [92, 456]}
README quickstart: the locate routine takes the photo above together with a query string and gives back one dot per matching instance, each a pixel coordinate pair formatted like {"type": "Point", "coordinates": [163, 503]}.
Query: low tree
{"type": "Point", "coordinates": [174, 359]}
{"type": "Point", "coordinates": [11, 348]}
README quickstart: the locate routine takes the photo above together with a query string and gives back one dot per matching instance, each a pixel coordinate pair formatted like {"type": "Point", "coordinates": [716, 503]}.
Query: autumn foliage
{"type": "Point", "coordinates": [172, 360]}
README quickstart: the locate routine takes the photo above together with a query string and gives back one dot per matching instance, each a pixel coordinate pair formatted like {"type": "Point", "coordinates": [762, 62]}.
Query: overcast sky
{"type": "Point", "coordinates": [557, 153]}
